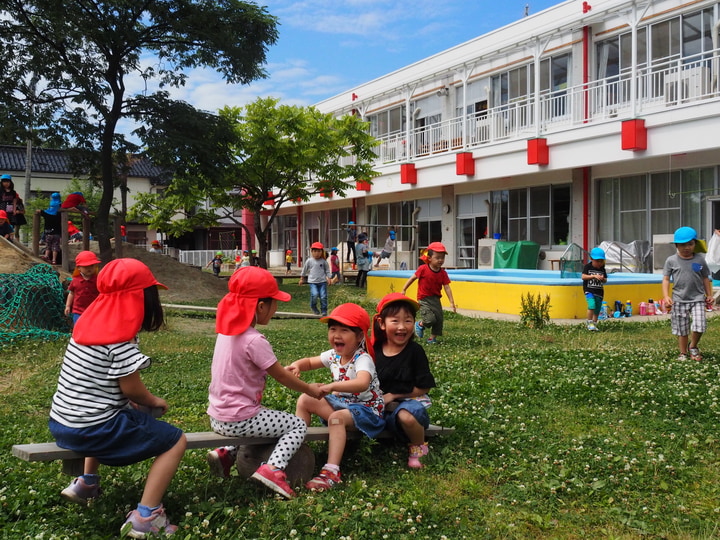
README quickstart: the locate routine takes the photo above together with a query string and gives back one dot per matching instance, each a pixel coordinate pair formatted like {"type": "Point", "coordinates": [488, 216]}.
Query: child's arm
{"type": "Point", "coordinates": [708, 287]}
{"type": "Point", "coordinates": [304, 364]}
{"type": "Point", "coordinates": [69, 302]}
{"type": "Point", "coordinates": [286, 378]}
{"type": "Point", "coordinates": [448, 292]}
{"type": "Point", "coordinates": [666, 290]}
{"type": "Point", "coordinates": [135, 390]}
{"type": "Point", "coordinates": [416, 392]}
{"type": "Point", "coordinates": [409, 282]}
{"type": "Point", "coordinates": [358, 384]}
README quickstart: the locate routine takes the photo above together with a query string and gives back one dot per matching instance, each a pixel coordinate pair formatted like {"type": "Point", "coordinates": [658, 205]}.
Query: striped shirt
{"type": "Point", "coordinates": [88, 391]}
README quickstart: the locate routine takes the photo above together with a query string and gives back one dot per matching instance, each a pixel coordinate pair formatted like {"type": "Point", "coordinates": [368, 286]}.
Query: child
{"type": "Point", "coordinates": [245, 259]}
{"type": "Point", "coordinates": [241, 362]}
{"type": "Point", "coordinates": [363, 259]}
{"type": "Point", "coordinates": [74, 234]}
{"type": "Point", "coordinates": [593, 277]}
{"type": "Point", "coordinates": [388, 248]}
{"type": "Point", "coordinates": [6, 230]}
{"type": "Point", "coordinates": [317, 271]}
{"type": "Point", "coordinates": [351, 239]}
{"type": "Point", "coordinates": [356, 400]}
{"type": "Point", "coordinates": [404, 373]}
{"type": "Point", "coordinates": [95, 408]}
{"type": "Point", "coordinates": [334, 266]}
{"type": "Point", "coordinates": [75, 202]}
{"type": "Point", "coordinates": [288, 262]}
{"type": "Point", "coordinates": [155, 247]}
{"type": "Point", "coordinates": [52, 231]}
{"type": "Point", "coordinates": [432, 277]}
{"type": "Point", "coordinates": [8, 198]}
{"type": "Point", "coordinates": [692, 288]}
{"type": "Point", "coordinates": [83, 287]}
{"type": "Point", "coordinates": [217, 263]}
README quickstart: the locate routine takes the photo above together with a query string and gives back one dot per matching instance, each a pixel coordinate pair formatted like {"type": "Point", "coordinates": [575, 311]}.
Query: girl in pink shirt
{"type": "Point", "coordinates": [242, 359]}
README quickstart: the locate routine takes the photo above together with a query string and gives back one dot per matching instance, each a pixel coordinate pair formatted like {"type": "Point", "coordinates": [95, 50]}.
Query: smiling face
{"type": "Point", "coordinates": [398, 327]}
{"type": "Point", "coordinates": [686, 250]}
{"type": "Point", "coordinates": [343, 339]}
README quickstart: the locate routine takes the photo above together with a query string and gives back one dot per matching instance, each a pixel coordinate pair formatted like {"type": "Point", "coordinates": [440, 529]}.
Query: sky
{"type": "Point", "coordinates": [326, 47]}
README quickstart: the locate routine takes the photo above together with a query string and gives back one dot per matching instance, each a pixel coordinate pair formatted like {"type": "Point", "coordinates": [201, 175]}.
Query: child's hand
{"type": "Point", "coordinates": [326, 389]}
{"type": "Point", "coordinates": [316, 391]}
{"type": "Point", "coordinates": [388, 397]}
{"type": "Point", "coordinates": [294, 370]}
{"type": "Point", "coordinates": [668, 302]}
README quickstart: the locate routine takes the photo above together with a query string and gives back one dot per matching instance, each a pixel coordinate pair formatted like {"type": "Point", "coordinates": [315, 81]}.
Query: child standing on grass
{"type": "Point", "coordinates": [83, 287]}
{"type": "Point", "coordinates": [288, 262]}
{"type": "Point", "coordinates": [593, 277]}
{"type": "Point", "coordinates": [217, 263]}
{"type": "Point", "coordinates": [404, 373]}
{"type": "Point", "coordinates": [334, 266]}
{"type": "Point", "coordinates": [242, 360]}
{"type": "Point", "coordinates": [95, 410]}
{"type": "Point", "coordinates": [432, 278]}
{"type": "Point", "coordinates": [317, 272]}
{"type": "Point", "coordinates": [691, 289]}
{"type": "Point", "coordinates": [354, 400]}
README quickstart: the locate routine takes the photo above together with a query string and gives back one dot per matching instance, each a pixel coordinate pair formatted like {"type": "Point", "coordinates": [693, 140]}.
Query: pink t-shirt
{"type": "Point", "coordinates": [238, 373]}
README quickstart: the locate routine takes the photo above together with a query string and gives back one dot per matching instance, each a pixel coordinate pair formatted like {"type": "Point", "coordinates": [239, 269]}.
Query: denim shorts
{"type": "Point", "coordinates": [364, 417]}
{"type": "Point", "coordinates": [129, 437]}
{"type": "Point", "coordinates": [414, 407]}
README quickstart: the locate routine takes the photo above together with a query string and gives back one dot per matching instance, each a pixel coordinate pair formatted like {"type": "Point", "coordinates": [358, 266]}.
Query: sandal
{"type": "Point", "coordinates": [695, 354]}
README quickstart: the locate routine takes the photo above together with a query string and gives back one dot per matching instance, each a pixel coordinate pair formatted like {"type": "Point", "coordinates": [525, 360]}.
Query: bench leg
{"type": "Point", "coordinates": [300, 469]}
{"type": "Point", "coordinates": [74, 467]}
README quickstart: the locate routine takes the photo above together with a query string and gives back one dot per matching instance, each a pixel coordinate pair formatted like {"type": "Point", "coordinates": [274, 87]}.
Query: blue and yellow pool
{"type": "Point", "coordinates": [501, 290]}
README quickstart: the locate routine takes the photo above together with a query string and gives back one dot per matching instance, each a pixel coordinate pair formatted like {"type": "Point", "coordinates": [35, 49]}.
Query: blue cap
{"type": "Point", "coordinates": [5, 177]}
{"type": "Point", "coordinates": [351, 223]}
{"type": "Point", "coordinates": [597, 254]}
{"type": "Point", "coordinates": [392, 235]}
{"type": "Point", "coordinates": [684, 235]}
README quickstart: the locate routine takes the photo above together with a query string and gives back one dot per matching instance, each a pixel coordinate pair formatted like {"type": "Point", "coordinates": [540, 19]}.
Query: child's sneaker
{"type": "Point", "coordinates": [432, 341]}
{"type": "Point", "coordinates": [274, 479]}
{"type": "Point", "coordinates": [416, 451]}
{"type": "Point", "coordinates": [79, 492]}
{"type": "Point", "coordinates": [220, 462]}
{"type": "Point", "coordinates": [141, 526]}
{"type": "Point", "coordinates": [419, 330]}
{"type": "Point", "coordinates": [591, 326]}
{"type": "Point", "coordinates": [695, 354]}
{"type": "Point", "coordinates": [682, 357]}
{"type": "Point", "coordinates": [325, 480]}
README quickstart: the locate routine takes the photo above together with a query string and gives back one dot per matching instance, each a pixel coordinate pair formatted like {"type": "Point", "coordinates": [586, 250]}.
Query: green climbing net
{"type": "Point", "coordinates": [32, 306]}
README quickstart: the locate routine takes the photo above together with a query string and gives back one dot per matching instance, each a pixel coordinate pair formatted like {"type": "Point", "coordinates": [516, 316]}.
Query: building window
{"type": "Point", "coordinates": [638, 207]}
{"type": "Point", "coordinates": [539, 214]}
{"type": "Point", "coordinates": [387, 122]}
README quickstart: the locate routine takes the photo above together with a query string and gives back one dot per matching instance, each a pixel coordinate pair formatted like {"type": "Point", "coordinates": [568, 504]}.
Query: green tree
{"type": "Point", "coordinates": [264, 150]}
{"type": "Point", "coordinates": [83, 53]}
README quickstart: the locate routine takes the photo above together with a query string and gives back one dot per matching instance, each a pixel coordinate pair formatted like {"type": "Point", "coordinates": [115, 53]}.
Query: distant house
{"type": "Point", "coordinates": [52, 171]}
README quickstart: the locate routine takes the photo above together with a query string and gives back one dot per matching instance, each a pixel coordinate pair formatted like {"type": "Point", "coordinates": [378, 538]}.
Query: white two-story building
{"type": "Point", "coordinates": [587, 122]}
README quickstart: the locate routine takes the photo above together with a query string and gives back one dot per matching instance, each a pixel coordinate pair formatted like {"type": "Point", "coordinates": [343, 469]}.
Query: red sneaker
{"type": "Point", "coordinates": [325, 480]}
{"type": "Point", "coordinates": [275, 479]}
{"type": "Point", "coordinates": [416, 452]}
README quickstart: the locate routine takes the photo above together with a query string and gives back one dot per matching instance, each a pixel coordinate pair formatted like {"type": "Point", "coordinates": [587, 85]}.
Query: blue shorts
{"type": "Point", "coordinates": [129, 437]}
{"type": "Point", "coordinates": [364, 417]}
{"type": "Point", "coordinates": [414, 407]}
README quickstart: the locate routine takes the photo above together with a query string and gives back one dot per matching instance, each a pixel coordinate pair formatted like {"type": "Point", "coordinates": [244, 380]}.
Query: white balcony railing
{"type": "Point", "coordinates": [673, 82]}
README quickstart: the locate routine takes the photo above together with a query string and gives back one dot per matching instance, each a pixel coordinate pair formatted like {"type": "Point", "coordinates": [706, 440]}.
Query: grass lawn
{"type": "Point", "coordinates": [560, 433]}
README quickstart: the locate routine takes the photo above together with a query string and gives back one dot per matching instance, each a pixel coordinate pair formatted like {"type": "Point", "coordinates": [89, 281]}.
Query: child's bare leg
{"type": "Point", "coordinates": [683, 344]}
{"type": "Point", "coordinates": [307, 406]}
{"type": "Point", "coordinates": [412, 428]}
{"type": "Point", "coordinates": [161, 474]}
{"type": "Point", "coordinates": [338, 424]}
{"type": "Point", "coordinates": [694, 340]}
{"type": "Point", "coordinates": [91, 466]}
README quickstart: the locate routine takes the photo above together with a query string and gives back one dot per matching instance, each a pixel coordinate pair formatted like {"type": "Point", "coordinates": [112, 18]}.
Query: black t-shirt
{"type": "Point", "coordinates": [52, 222]}
{"type": "Point", "coordinates": [401, 373]}
{"type": "Point", "coordinates": [594, 286]}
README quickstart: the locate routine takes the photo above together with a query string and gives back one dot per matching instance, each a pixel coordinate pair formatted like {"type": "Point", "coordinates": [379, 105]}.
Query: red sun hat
{"type": "Point", "coordinates": [247, 285]}
{"type": "Point", "coordinates": [350, 315]}
{"type": "Point", "coordinates": [437, 247]}
{"type": "Point", "coordinates": [116, 315]}
{"type": "Point", "coordinates": [396, 297]}
{"type": "Point", "coordinates": [73, 200]}
{"type": "Point", "coordinates": [317, 245]}
{"type": "Point", "coordinates": [3, 214]}
{"type": "Point", "coordinates": [86, 258]}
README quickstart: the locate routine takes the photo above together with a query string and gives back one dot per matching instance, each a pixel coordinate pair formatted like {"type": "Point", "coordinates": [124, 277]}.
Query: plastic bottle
{"type": "Point", "coordinates": [628, 309]}
{"type": "Point", "coordinates": [651, 307]}
{"type": "Point", "coordinates": [618, 306]}
{"type": "Point", "coordinates": [603, 311]}
{"type": "Point", "coordinates": [643, 309]}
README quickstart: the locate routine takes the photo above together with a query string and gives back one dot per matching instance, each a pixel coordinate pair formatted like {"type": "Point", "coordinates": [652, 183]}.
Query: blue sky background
{"type": "Point", "coordinates": [326, 47]}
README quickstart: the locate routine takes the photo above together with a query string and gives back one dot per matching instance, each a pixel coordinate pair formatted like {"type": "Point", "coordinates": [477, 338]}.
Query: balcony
{"type": "Point", "coordinates": [673, 82]}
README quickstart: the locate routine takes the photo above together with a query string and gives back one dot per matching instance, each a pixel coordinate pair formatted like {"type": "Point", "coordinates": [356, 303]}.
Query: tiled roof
{"type": "Point", "coordinates": [51, 161]}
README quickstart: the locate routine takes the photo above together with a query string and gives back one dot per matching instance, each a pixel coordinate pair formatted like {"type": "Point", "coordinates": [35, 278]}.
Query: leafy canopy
{"type": "Point", "coordinates": [68, 66]}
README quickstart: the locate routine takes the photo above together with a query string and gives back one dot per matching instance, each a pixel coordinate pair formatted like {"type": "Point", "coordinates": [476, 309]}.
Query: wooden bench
{"type": "Point", "coordinates": [349, 275]}
{"type": "Point", "coordinates": [252, 451]}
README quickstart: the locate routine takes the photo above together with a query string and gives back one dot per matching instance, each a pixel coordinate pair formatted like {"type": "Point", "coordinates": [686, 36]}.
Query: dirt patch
{"type": "Point", "coordinates": [186, 285]}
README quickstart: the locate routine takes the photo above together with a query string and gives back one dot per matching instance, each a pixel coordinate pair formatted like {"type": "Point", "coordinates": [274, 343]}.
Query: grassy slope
{"type": "Point", "coordinates": [561, 433]}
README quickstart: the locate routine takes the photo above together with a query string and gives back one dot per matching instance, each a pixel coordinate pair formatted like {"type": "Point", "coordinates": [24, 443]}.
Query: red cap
{"type": "Point", "coordinates": [86, 258]}
{"type": "Point", "coordinates": [396, 297]}
{"type": "Point", "coordinates": [247, 285]}
{"type": "Point", "coordinates": [317, 245]}
{"type": "Point", "coordinates": [437, 247]}
{"type": "Point", "coordinates": [116, 315]}
{"type": "Point", "coordinates": [73, 200]}
{"type": "Point", "coordinates": [288, 252]}
{"type": "Point", "coordinates": [3, 214]}
{"type": "Point", "coordinates": [350, 315]}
